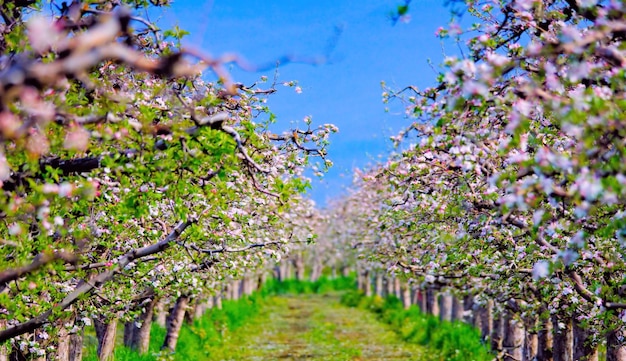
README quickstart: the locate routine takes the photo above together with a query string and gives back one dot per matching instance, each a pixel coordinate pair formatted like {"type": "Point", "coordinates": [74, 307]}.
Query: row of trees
{"type": "Point", "coordinates": [512, 190]}
{"type": "Point", "coordinates": [129, 181]}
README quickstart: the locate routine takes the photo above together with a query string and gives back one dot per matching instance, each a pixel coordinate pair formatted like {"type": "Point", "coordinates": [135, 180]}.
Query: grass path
{"type": "Point", "coordinates": [314, 327]}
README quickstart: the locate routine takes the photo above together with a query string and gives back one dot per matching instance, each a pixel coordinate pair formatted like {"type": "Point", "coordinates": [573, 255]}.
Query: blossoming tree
{"type": "Point", "coordinates": [513, 187]}
{"type": "Point", "coordinates": [128, 178]}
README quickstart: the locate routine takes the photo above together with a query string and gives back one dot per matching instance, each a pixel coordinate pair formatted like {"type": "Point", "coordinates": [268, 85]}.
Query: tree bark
{"type": "Point", "coordinates": [192, 308]}
{"type": "Point", "coordinates": [585, 349]}
{"type": "Point", "coordinates": [378, 286]}
{"type": "Point", "coordinates": [345, 271]}
{"type": "Point", "coordinates": [161, 314]}
{"type": "Point", "coordinates": [4, 351]}
{"type": "Point", "coordinates": [496, 333]}
{"type": "Point", "coordinates": [457, 309]}
{"type": "Point", "coordinates": [261, 281]}
{"type": "Point", "coordinates": [531, 341]}
{"type": "Point", "coordinates": [76, 346]}
{"type": "Point", "coordinates": [432, 301]}
{"type": "Point", "coordinates": [278, 274]}
{"type": "Point", "coordinates": [200, 309]}
{"type": "Point", "coordinates": [406, 296]}
{"type": "Point", "coordinates": [513, 338]}
{"type": "Point", "coordinates": [105, 333]}
{"type": "Point", "coordinates": [545, 341]}
{"type": "Point", "coordinates": [218, 301]}
{"type": "Point", "coordinates": [287, 270]}
{"type": "Point", "coordinates": [298, 263]}
{"type": "Point", "coordinates": [397, 287]}
{"type": "Point", "coordinates": [389, 286]}
{"type": "Point", "coordinates": [486, 320]}
{"type": "Point", "coordinates": [422, 300]}
{"type": "Point", "coordinates": [562, 348]}
{"type": "Point", "coordinates": [139, 338]}
{"type": "Point", "coordinates": [368, 284]}
{"type": "Point", "coordinates": [175, 322]}
{"type": "Point", "coordinates": [615, 347]}
{"type": "Point", "coordinates": [316, 271]}
{"type": "Point", "coordinates": [470, 314]}
{"type": "Point", "coordinates": [63, 346]}
{"type": "Point", "coordinates": [445, 306]}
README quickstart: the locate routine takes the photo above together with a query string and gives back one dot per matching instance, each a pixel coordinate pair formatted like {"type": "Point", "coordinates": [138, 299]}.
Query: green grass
{"type": "Point", "coordinates": [454, 341]}
{"type": "Point", "coordinates": [213, 329]}
{"type": "Point", "coordinates": [272, 322]}
{"type": "Point", "coordinates": [321, 286]}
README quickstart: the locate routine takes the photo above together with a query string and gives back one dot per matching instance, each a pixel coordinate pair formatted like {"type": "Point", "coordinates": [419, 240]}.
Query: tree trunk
{"type": "Point", "coordinates": [200, 309]}
{"type": "Point", "coordinates": [345, 271]}
{"type": "Point", "coordinates": [397, 287]}
{"type": "Point", "coordinates": [262, 280]}
{"type": "Point", "coordinates": [210, 302]}
{"type": "Point", "coordinates": [105, 333]}
{"type": "Point", "coordinates": [562, 349]}
{"type": "Point", "coordinates": [174, 323]}
{"type": "Point", "coordinates": [227, 292]}
{"type": "Point", "coordinates": [161, 315]}
{"type": "Point", "coordinates": [496, 333]}
{"type": "Point", "coordinates": [470, 314]}
{"type": "Point", "coordinates": [432, 301]}
{"type": "Point", "coordinates": [389, 287]}
{"type": "Point", "coordinates": [138, 338]}
{"type": "Point", "coordinates": [299, 265]}
{"type": "Point", "coordinates": [545, 341]}
{"type": "Point", "coordinates": [4, 349]}
{"type": "Point", "coordinates": [513, 340]}
{"type": "Point", "coordinates": [248, 285]}
{"type": "Point", "coordinates": [378, 286]}
{"type": "Point", "coordinates": [278, 274]}
{"type": "Point", "coordinates": [457, 309]}
{"type": "Point", "coordinates": [486, 320]}
{"type": "Point", "coordinates": [141, 339]}
{"type": "Point", "coordinates": [585, 349]}
{"type": "Point", "coordinates": [76, 346]}
{"type": "Point", "coordinates": [406, 296]}
{"type": "Point", "coordinates": [445, 306]}
{"type": "Point", "coordinates": [615, 347]}
{"type": "Point", "coordinates": [218, 301]}
{"type": "Point", "coordinates": [287, 270]}
{"type": "Point", "coordinates": [192, 308]}
{"type": "Point", "coordinates": [531, 340]}
{"type": "Point", "coordinates": [316, 270]}
{"type": "Point", "coordinates": [415, 296]}
{"type": "Point", "coordinates": [422, 300]}
{"type": "Point", "coordinates": [63, 347]}
{"type": "Point", "coordinates": [368, 284]}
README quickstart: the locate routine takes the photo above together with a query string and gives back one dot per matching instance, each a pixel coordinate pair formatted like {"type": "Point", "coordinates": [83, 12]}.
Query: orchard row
{"type": "Point", "coordinates": [129, 180]}
{"type": "Point", "coordinates": [509, 187]}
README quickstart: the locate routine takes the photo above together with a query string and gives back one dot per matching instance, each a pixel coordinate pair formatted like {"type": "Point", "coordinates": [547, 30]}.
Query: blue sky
{"type": "Point", "coordinates": [345, 90]}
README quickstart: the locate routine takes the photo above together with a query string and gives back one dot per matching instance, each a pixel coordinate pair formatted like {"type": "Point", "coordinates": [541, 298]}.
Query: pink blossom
{"type": "Point", "coordinates": [42, 34]}
{"type": "Point", "coordinates": [77, 139]}
{"type": "Point", "coordinates": [5, 169]}
{"type": "Point", "coordinates": [541, 269]}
